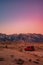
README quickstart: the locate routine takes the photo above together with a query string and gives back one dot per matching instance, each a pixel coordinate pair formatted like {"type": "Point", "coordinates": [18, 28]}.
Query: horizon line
{"type": "Point", "coordinates": [21, 33]}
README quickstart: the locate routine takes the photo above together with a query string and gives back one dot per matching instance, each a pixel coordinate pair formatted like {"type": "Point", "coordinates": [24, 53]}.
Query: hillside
{"type": "Point", "coordinates": [21, 37]}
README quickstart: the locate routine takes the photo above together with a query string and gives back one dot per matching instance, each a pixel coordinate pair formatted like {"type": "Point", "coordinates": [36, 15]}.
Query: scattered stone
{"type": "Point", "coordinates": [20, 61]}
{"type": "Point", "coordinates": [2, 59]}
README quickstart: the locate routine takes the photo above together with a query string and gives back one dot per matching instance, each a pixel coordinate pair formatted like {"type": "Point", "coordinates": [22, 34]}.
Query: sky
{"type": "Point", "coordinates": [21, 16]}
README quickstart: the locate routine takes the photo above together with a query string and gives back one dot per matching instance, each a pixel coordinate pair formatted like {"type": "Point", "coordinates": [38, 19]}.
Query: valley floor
{"type": "Point", "coordinates": [17, 55]}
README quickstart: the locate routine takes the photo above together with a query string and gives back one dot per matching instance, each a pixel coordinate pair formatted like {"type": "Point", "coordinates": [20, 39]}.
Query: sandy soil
{"type": "Point", "coordinates": [15, 55]}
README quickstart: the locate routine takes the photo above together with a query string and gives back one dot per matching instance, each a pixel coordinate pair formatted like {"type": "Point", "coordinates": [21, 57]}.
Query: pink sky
{"type": "Point", "coordinates": [21, 16]}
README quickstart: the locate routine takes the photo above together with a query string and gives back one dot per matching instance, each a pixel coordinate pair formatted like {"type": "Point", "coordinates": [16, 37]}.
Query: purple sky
{"type": "Point", "coordinates": [21, 16]}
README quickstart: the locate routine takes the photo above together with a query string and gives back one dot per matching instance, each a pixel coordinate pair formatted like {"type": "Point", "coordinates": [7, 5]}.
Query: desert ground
{"type": "Point", "coordinates": [14, 54]}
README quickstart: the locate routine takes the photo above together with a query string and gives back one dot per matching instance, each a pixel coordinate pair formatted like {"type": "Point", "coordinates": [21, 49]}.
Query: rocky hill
{"type": "Point", "coordinates": [22, 37]}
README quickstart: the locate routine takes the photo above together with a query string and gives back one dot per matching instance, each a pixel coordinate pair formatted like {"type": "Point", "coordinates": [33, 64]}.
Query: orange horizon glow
{"type": "Point", "coordinates": [23, 28]}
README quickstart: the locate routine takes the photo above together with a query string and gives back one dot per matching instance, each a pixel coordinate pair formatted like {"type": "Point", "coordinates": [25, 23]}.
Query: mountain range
{"type": "Point", "coordinates": [21, 37]}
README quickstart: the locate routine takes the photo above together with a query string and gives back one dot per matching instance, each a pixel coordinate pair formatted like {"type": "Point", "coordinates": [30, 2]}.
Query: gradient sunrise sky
{"type": "Point", "coordinates": [21, 16]}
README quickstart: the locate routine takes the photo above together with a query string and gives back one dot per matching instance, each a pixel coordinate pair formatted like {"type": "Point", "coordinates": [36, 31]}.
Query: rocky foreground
{"type": "Point", "coordinates": [15, 55]}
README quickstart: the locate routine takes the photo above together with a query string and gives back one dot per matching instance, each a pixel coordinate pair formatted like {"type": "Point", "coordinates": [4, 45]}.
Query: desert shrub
{"type": "Point", "coordinates": [2, 59]}
{"type": "Point", "coordinates": [36, 62]}
{"type": "Point", "coordinates": [6, 46]}
{"type": "Point", "coordinates": [20, 61]}
{"type": "Point", "coordinates": [12, 56]}
{"type": "Point", "coordinates": [42, 57]}
{"type": "Point", "coordinates": [20, 50]}
{"type": "Point", "coordinates": [37, 59]}
{"type": "Point", "coordinates": [35, 55]}
{"type": "Point", "coordinates": [30, 60]}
